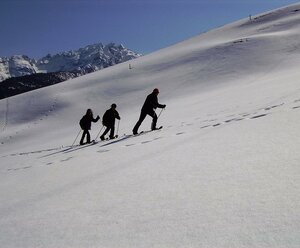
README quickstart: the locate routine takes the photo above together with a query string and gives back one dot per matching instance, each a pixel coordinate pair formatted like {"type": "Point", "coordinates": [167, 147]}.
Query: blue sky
{"type": "Point", "coordinates": [38, 27]}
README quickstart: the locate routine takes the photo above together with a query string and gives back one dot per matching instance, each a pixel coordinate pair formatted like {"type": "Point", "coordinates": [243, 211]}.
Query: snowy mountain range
{"type": "Point", "coordinates": [222, 172]}
{"type": "Point", "coordinates": [84, 60]}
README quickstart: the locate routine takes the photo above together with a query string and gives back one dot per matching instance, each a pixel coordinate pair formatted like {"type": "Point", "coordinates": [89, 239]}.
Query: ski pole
{"type": "Point", "coordinates": [118, 129]}
{"type": "Point", "coordinates": [76, 138]}
{"type": "Point", "coordinates": [99, 133]}
{"type": "Point", "coordinates": [160, 113]}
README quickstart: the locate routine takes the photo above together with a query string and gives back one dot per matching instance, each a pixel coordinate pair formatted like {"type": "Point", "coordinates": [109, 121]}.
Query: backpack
{"type": "Point", "coordinates": [82, 122]}
{"type": "Point", "coordinates": [105, 118]}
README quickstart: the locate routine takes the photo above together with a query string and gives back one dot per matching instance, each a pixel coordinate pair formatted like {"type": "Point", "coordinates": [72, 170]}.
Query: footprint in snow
{"type": "Point", "coordinates": [296, 107]}
{"type": "Point", "coordinates": [274, 106]}
{"type": "Point", "coordinates": [21, 168]}
{"type": "Point", "coordinates": [258, 116]}
{"type": "Point", "coordinates": [64, 160]}
{"type": "Point", "coordinates": [238, 119]}
{"type": "Point", "coordinates": [103, 151]}
{"type": "Point", "coordinates": [16, 169]}
{"type": "Point", "coordinates": [205, 126]}
{"type": "Point", "coordinates": [147, 141]}
{"type": "Point", "coordinates": [130, 145]}
{"type": "Point", "coordinates": [186, 124]}
{"type": "Point", "coordinates": [26, 167]}
{"type": "Point", "coordinates": [230, 120]}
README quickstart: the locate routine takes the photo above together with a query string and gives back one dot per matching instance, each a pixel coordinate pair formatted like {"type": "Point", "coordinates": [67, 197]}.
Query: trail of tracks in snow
{"type": "Point", "coordinates": [129, 139]}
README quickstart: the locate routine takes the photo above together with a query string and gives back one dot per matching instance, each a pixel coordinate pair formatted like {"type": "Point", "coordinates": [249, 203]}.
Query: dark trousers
{"type": "Point", "coordinates": [142, 118]}
{"type": "Point", "coordinates": [112, 131]}
{"type": "Point", "coordinates": [88, 136]}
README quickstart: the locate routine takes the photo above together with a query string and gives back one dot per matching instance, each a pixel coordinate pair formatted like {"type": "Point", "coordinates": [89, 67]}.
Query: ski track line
{"type": "Point", "coordinates": [75, 148]}
{"type": "Point", "coordinates": [126, 137]}
{"type": "Point", "coordinates": [248, 116]}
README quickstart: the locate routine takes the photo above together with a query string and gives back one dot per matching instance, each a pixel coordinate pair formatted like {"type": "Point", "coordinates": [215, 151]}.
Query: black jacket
{"type": "Point", "coordinates": [86, 121]}
{"type": "Point", "coordinates": [109, 117]}
{"type": "Point", "coordinates": [151, 103]}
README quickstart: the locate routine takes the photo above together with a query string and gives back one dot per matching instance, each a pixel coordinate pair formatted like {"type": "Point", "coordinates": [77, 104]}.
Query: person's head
{"type": "Point", "coordinates": [114, 106]}
{"type": "Point", "coordinates": [89, 112]}
{"type": "Point", "coordinates": [156, 91]}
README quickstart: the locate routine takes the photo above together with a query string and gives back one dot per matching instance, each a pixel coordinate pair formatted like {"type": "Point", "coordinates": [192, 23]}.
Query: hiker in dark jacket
{"type": "Point", "coordinates": [108, 120]}
{"type": "Point", "coordinates": [151, 103]}
{"type": "Point", "coordinates": [85, 124]}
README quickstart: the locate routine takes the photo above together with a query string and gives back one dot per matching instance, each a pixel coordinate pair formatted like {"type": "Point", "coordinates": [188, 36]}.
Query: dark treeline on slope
{"type": "Point", "coordinates": [18, 85]}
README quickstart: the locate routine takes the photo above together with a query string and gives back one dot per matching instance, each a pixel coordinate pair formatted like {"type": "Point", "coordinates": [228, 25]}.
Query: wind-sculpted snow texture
{"type": "Point", "coordinates": [223, 172]}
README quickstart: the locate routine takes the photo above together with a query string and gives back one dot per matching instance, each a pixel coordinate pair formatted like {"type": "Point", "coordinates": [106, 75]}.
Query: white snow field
{"type": "Point", "coordinates": [223, 172]}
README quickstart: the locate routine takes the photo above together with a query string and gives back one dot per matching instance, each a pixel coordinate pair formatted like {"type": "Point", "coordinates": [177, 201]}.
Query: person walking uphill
{"type": "Point", "coordinates": [151, 103]}
{"type": "Point", "coordinates": [85, 124]}
{"type": "Point", "coordinates": [108, 120]}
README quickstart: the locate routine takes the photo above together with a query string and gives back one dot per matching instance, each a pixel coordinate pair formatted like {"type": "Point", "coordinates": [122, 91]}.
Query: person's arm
{"type": "Point", "coordinates": [117, 115]}
{"type": "Point", "coordinates": [153, 101]}
{"type": "Point", "coordinates": [97, 119]}
{"type": "Point", "coordinates": [158, 105]}
{"type": "Point", "coordinates": [161, 105]}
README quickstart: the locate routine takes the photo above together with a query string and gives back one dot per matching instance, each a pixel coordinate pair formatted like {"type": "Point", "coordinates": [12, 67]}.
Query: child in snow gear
{"type": "Point", "coordinates": [108, 120]}
{"type": "Point", "coordinates": [151, 103]}
{"type": "Point", "coordinates": [85, 124]}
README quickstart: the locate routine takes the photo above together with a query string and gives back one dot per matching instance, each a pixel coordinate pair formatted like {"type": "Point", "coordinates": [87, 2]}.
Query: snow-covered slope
{"type": "Point", "coordinates": [84, 60]}
{"type": "Point", "coordinates": [223, 172]}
